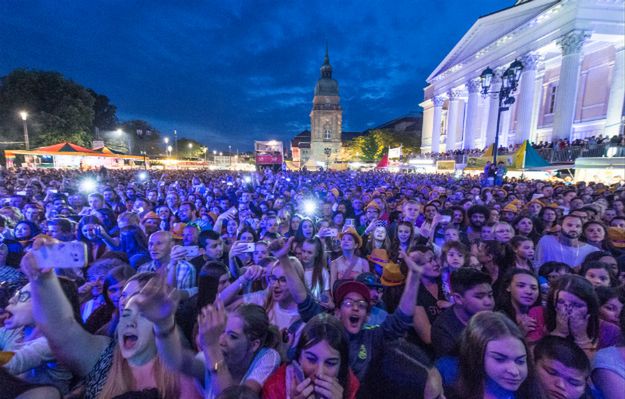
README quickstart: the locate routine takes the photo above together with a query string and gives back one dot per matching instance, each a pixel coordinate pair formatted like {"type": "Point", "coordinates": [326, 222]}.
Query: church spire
{"type": "Point", "coordinates": [326, 68]}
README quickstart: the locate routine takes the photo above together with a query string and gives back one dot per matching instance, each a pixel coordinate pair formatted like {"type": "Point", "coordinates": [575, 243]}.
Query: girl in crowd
{"type": "Point", "coordinates": [594, 233]}
{"type": "Point", "coordinates": [315, 270]}
{"type": "Point", "coordinates": [520, 300]}
{"type": "Point", "coordinates": [402, 239]}
{"type": "Point", "coordinates": [107, 315]}
{"type": "Point", "coordinates": [608, 374]}
{"type": "Point", "coordinates": [548, 219]}
{"type": "Point", "coordinates": [573, 312]}
{"type": "Point", "coordinates": [236, 348]}
{"type": "Point", "coordinates": [604, 257]}
{"type": "Point", "coordinates": [305, 230]}
{"type": "Point", "coordinates": [87, 232]}
{"type": "Point", "coordinates": [378, 239]}
{"type": "Point", "coordinates": [293, 225]}
{"type": "Point", "coordinates": [321, 365]}
{"type": "Point", "coordinates": [33, 358]}
{"type": "Point", "coordinates": [338, 220]}
{"type": "Point", "coordinates": [110, 367]}
{"type": "Point", "coordinates": [492, 256]}
{"type": "Point", "coordinates": [454, 255]}
{"type": "Point", "coordinates": [348, 265]}
{"type": "Point", "coordinates": [25, 232]}
{"type": "Point", "coordinates": [598, 273]}
{"type": "Point", "coordinates": [610, 303]}
{"type": "Point", "coordinates": [503, 232]}
{"type": "Point", "coordinates": [431, 300]}
{"type": "Point", "coordinates": [495, 361]}
{"type": "Point", "coordinates": [524, 226]}
{"type": "Point", "coordinates": [523, 250]}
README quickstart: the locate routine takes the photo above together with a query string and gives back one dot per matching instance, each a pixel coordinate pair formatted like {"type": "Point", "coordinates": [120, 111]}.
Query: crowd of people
{"type": "Point", "coordinates": [307, 285]}
{"type": "Point", "coordinates": [590, 143]}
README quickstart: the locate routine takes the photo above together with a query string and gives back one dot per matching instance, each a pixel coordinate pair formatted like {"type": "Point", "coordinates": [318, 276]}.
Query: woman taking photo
{"type": "Point", "coordinates": [89, 231]}
{"type": "Point", "coordinates": [321, 365]}
{"type": "Point", "coordinates": [494, 360]}
{"type": "Point", "coordinates": [110, 367]}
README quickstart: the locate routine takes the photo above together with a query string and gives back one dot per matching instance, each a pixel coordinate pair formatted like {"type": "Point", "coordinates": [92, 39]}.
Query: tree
{"type": "Point", "coordinates": [58, 109]}
{"type": "Point", "coordinates": [375, 143]}
{"type": "Point", "coordinates": [104, 112]}
{"type": "Point", "coordinates": [139, 135]}
{"type": "Point", "coordinates": [192, 151]}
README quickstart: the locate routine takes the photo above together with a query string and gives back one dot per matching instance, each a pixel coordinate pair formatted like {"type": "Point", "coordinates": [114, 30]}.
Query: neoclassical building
{"type": "Point", "coordinates": [572, 85]}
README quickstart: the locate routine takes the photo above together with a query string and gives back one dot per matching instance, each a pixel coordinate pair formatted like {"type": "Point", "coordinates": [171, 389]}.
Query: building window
{"type": "Point", "coordinates": [551, 99]}
{"type": "Point", "coordinates": [328, 134]}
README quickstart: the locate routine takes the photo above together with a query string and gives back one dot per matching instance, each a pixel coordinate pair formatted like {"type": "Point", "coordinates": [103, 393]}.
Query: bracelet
{"type": "Point", "coordinates": [167, 333]}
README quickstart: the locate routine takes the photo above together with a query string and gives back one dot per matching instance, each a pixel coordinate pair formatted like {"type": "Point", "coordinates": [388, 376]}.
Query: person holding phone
{"type": "Point", "coordinates": [321, 366]}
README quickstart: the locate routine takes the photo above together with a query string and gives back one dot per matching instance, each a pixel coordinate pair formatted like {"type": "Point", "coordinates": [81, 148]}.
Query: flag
{"type": "Point", "coordinates": [394, 153]}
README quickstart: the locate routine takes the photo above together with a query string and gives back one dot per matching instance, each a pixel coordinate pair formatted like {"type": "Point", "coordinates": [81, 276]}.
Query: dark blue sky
{"type": "Point", "coordinates": [229, 72]}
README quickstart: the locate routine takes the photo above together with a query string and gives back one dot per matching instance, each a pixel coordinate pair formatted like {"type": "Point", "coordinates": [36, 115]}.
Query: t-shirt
{"type": "Point", "coordinates": [317, 290]}
{"type": "Point", "coordinates": [550, 248]}
{"type": "Point", "coordinates": [446, 331]}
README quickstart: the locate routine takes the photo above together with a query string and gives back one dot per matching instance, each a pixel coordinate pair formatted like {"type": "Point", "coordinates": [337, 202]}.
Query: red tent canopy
{"type": "Point", "coordinates": [383, 162]}
{"type": "Point", "coordinates": [65, 147]}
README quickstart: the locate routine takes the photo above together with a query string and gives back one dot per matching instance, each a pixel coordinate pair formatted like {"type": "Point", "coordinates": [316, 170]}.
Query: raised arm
{"type": "Point", "coordinates": [53, 314]}
{"type": "Point", "coordinates": [157, 302]}
{"type": "Point", "coordinates": [297, 288]}
{"type": "Point", "coordinates": [409, 296]}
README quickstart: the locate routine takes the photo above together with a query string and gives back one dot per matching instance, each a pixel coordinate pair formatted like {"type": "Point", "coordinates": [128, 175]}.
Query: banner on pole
{"type": "Point", "coordinates": [394, 153]}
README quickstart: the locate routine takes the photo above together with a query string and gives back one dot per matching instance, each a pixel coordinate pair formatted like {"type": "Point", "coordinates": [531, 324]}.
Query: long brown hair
{"type": "Point", "coordinates": [482, 328]}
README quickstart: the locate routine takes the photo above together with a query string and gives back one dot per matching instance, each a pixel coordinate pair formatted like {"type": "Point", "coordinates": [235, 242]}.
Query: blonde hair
{"type": "Point", "coordinates": [120, 380]}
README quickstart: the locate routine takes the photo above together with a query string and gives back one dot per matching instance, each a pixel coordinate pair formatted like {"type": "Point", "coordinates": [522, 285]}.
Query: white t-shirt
{"type": "Point", "coordinates": [317, 290]}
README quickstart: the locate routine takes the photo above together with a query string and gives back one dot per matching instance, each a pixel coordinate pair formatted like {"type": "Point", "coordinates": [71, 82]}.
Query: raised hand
{"type": "Point", "coordinates": [412, 265]}
{"type": "Point", "coordinates": [303, 390]}
{"type": "Point", "coordinates": [328, 387]}
{"type": "Point", "coordinates": [212, 323]}
{"type": "Point", "coordinates": [29, 265]}
{"type": "Point", "coordinates": [280, 248]}
{"type": "Point", "coordinates": [156, 301]}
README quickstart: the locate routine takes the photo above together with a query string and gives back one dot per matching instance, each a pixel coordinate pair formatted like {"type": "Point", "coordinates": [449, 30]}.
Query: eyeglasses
{"type": "Point", "coordinates": [361, 305]}
{"type": "Point", "coordinates": [274, 279]}
{"type": "Point", "coordinates": [20, 296]}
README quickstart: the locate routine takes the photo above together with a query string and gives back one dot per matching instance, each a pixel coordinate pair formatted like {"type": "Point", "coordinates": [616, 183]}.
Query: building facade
{"type": "Point", "coordinates": [326, 119]}
{"type": "Point", "coordinates": [572, 84]}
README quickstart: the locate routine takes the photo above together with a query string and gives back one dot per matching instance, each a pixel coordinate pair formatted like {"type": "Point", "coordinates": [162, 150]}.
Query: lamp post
{"type": "Point", "coordinates": [166, 141]}
{"type": "Point", "coordinates": [230, 156]}
{"type": "Point", "coordinates": [169, 150]}
{"type": "Point", "coordinates": [176, 142]}
{"type": "Point", "coordinates": [24, 116]}
{"type": "Point", "coordinates": [145, 162]}
{"type": "Point", "coordinates": [509, 82]}
{"type": "Point", "coordinates": [205, 151]}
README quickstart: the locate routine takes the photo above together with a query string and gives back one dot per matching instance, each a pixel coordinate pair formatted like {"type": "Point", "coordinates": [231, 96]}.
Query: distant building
{"type": "Point", "coordinates": [572, 84]}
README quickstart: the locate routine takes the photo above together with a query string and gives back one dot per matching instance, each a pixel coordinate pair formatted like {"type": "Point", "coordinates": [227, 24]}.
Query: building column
{"type": "Point", "coordinates": [566, 96]}
{"type": "Point", "coordinates": [527, 94]}
{"type": "Point", "coordinates": [436, 122]}
{"type": "Point", "coordinates": [452, 118]}
{"type": "Point", "coordinates": [493, 109]}
{"type": "Point", "coordinates": [614, 115]}
{"type": "Point", "coordinates": [473, 109]}
{"type": "Point", "coordinates": [538, 95]}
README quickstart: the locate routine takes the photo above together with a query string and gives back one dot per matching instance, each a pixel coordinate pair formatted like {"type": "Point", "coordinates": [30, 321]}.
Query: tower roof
{"type": "Point", "coordinates": [326, 86]}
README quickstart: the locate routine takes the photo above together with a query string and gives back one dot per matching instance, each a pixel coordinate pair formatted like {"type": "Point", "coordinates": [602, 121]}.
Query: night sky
{"type": "Point", "coordinates": [229, 72]}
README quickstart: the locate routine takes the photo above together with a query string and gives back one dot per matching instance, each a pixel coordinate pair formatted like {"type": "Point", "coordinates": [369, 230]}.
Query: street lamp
{"type": "Point", "coordinates": [509, 82]}
{"type": "Point", "coordinates": [119, 132]}
{"type": "Point", "coordinates": [169, 149]}
{"type": "Point", "coordinates": [24, 116]}
{"type": "Point", "coordinates": [205, 151]}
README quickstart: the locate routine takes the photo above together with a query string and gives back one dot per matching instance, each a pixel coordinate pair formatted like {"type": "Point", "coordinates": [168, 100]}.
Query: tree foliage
{"type": "Point", "coordinates": [58, 109]}
{"type": "Point", "coordinates": [373, 145]}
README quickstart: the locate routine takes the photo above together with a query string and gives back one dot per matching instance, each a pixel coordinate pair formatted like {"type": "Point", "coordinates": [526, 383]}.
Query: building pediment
{"type": "Point", "coordinates": [489, 29]}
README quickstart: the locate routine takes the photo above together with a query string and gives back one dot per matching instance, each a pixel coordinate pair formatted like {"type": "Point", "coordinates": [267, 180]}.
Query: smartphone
{"type": "Point", "coordinates": [62, 255]}
{"type": "Point", "coordinates": [250, 247]}
{"type": "Point", "coordinates": [20, 192]}
{"type": "Point", "coordinates": [53, 190]}
{"type": "Point", "coordinates": [349, 222]}
{"type": "Point", "coordinates": [192, 251]}
{"type": "Point", "coordinates": [333, 232]}
{"type": "Point", "coordinates": [445, 219]}
{"type": "Point", "coordinates": [298, 372]}
{"type": "Point", "coordinates": [233, 210]}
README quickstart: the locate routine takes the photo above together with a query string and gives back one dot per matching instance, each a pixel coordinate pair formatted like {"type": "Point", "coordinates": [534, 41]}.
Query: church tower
{"type": "Point", "coordinates": [325, 119]}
